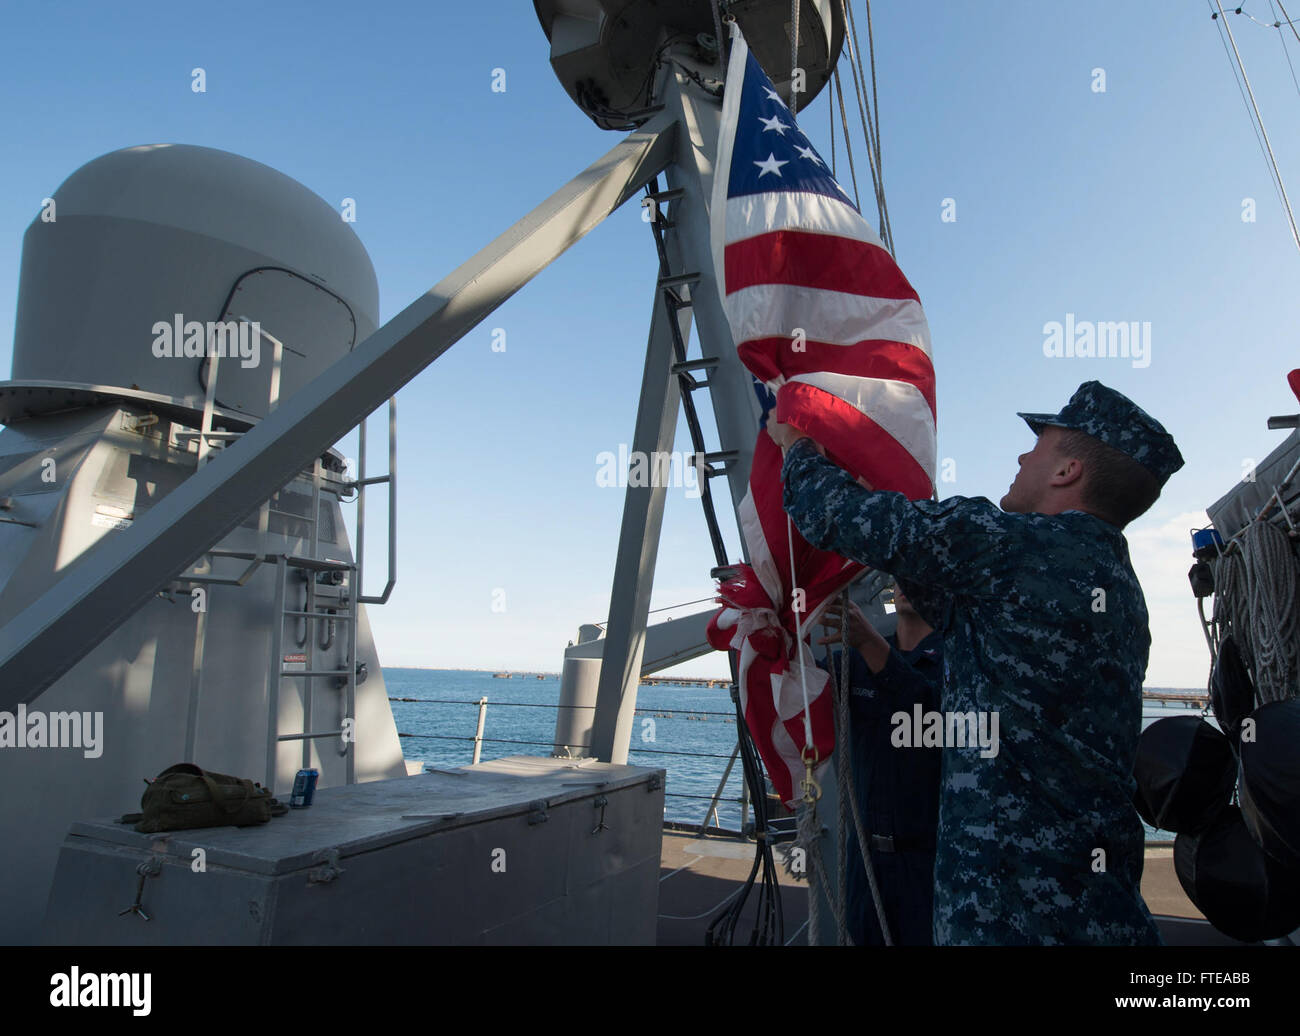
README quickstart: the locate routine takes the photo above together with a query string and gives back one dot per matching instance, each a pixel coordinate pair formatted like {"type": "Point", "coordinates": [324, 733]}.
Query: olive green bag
{"type": "Point", "coordinates": [185, 796]}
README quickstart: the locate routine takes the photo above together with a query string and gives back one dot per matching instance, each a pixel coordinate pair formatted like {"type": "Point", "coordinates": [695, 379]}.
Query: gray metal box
{"type": "Point", "coordinates": [521, 850]}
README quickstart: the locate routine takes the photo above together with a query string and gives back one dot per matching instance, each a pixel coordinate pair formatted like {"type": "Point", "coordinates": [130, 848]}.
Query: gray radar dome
{"type": "Point", "coordinates": [152, 258]}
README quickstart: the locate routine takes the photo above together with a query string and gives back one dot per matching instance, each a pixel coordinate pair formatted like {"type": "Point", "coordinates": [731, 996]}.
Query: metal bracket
{"type": "Point", "coordinates": [328, 870]}
{"type": "Point", "coordinates": [138, 422]}
{"type": "Point", "coordinates": [655, 783]}
{"type": "Point", "coordinates": [151, 868]}
{"type": "Point", "coordinates": [600, 802]}
{"type": "Point", "coordinates": [538, 814]}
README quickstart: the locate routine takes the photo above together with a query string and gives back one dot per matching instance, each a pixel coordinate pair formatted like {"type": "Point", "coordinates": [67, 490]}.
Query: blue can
{"type": "Point", "coordinates": [1206, 543]}
{"type": "Point", "coordinates": [304, 787]}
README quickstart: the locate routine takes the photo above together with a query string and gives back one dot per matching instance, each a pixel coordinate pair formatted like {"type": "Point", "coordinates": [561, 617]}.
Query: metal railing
{"type": "Point", "coordinates": [478, 740]}
{"type": "Point", "coordinates": [717, 798]}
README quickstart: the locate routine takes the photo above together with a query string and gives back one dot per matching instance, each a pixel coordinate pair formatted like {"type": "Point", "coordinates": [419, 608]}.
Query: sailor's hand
{"type": "Point", "coordinates": [786, 435]}
{"type": "Point", "coordinates": [860, 631]}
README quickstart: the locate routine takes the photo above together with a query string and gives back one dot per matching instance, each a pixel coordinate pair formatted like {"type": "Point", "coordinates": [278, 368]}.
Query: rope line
{"type": "Point", "coordinates": [842, 779]}
{"type": "Point", "coordinates": [1256, 604]}
{"type": "Point", "coordinates": [845, 774]}
{"type": "Point", "coordinates": [798, 640]}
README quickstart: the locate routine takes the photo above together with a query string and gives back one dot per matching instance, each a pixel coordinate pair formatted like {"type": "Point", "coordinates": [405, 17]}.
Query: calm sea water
{"type": "Point", "coordinates": [686, 736]}
{"type": "Point", "coordinates": [691, 731]}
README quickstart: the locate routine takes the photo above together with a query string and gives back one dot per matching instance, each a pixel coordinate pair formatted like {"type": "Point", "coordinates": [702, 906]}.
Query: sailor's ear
{"type": "Point", "coordinates": [1066, 471]}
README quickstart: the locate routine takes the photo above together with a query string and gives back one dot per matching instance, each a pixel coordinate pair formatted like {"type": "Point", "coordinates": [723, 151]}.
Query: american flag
{"type": "Point", "coordinates": [826, 321]}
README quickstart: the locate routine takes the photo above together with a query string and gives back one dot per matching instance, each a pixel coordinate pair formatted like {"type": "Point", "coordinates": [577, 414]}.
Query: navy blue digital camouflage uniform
{"type": "Point", "coordinates": [1044, 623]}
{"type": "Point", "coordinates": [897, 789]}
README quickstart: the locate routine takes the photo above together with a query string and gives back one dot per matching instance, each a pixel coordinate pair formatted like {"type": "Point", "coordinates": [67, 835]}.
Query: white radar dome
{"type": "Point", "coordinates": [151, 259]}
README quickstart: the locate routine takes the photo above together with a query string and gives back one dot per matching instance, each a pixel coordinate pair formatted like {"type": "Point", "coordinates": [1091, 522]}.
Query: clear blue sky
{"type": "Point", "coordinates": [1116, 206]}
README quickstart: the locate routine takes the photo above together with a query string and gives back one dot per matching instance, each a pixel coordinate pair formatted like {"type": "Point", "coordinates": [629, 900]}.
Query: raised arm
{"type": "Point", "coordinates": [957, 545]}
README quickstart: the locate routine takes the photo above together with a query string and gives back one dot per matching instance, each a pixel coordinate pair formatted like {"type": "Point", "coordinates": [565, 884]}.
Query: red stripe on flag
{"type": "Point", "coordinates": [823, 261]}
{"type": "Point", "coordinates": [765, 485]}
{"type": "Point", "coordinates": [852, 440]}
{"type": "Point", "coordinates": [770, 358]}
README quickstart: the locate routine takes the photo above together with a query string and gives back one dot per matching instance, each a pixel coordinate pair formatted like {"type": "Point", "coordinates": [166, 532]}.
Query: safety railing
{"type": "Point", "coordinates": [717, 799]}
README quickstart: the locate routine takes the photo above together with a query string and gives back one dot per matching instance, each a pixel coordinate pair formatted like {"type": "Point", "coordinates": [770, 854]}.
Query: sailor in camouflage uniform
{"type": "Point", "coordinates": [1044, 625]}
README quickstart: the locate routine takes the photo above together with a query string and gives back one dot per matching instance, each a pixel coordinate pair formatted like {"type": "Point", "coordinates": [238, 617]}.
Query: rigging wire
{"type": "Point", "coordinates": [1237, 79]}
{"type": "Point", "coordinates": [1286, 202]}
{"type": "Point", "coordinates": [1277, 23]}
{"type": "Point", "coordinates": [830, 110]}
{"type": "Point", "coordinates": [794, 56]}
{"type": "Point", "coordinates": [1285, 49]}
{"type": "Point", "coordinates": [874, 114]}
{"type": "Point", "coordinates": [1289, 22]}
{"type": "Point", "coordinates": [865, 115]}
{"type": "Point", "coordinates": [1256, 128]}
{"type": "Point", "coordinates": [848, 143]}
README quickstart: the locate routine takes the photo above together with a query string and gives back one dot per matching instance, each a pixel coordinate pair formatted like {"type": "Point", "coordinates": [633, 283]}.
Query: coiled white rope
{"type": "Point", "coordinates": [1256, 603]}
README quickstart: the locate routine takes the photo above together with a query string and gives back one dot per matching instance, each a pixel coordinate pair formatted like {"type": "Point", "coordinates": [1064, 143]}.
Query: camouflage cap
{"type": "Point", "coordinates": [1116, 420]}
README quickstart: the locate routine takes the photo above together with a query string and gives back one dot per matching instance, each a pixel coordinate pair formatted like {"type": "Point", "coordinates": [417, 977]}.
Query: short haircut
{"type": "Point", "coordinates": [1116, 488]}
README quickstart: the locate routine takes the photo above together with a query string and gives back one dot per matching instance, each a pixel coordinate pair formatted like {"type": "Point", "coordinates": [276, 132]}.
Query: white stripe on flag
{"type": "Point", "coordinates": [766, 311]}
{"type": "Point", "coordinates": [787, 689]}
{"type": "Point", "coordinates": [722, 164]}
{"type": "Point", "coordinates": [790, 753]}
{"type": "Point", "coordinates": [899, 408]}
{"type": "Point", "coordinates": [787, 751]}
{"type": "Point", "coordinates": [752, 214]}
